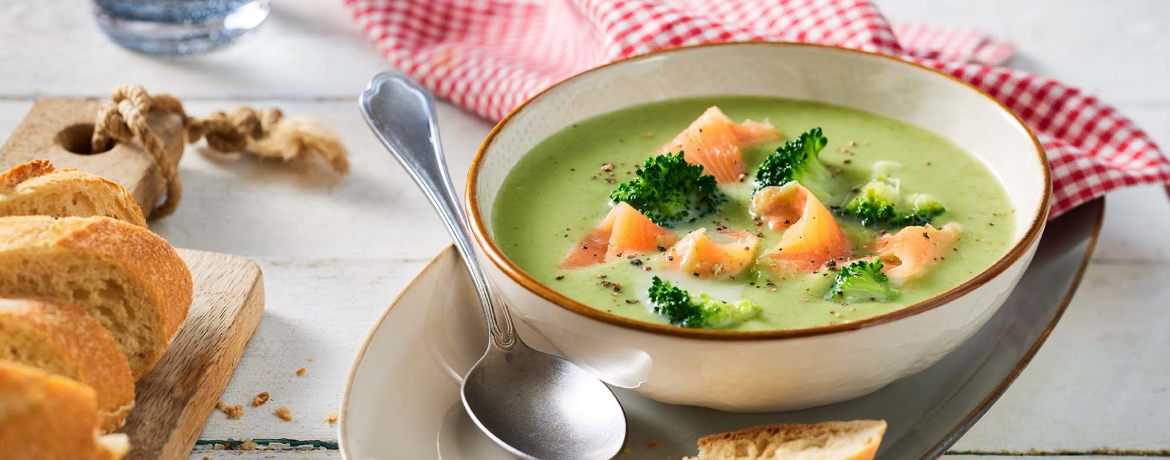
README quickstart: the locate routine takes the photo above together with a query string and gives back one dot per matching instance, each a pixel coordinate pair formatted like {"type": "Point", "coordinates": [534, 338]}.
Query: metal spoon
{"type": "Point", "coordinates": [535, 405]}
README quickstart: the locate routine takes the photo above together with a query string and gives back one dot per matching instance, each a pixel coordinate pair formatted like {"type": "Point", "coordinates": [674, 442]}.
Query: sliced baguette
{"type": "Point", "coordinates": [49, 417]}
{"type": "Point", "coordinates": [65, 340]}
{"type": "Point", "coordinates": [37, 188]}
{"type": "Point", "coordinates": [129, 279]}
{"type": "Point", "coordinates": [854, 440]}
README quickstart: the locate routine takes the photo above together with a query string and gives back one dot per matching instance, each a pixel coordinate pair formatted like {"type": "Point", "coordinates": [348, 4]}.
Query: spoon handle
{"type": "Point", "coordinates": [402, 114]}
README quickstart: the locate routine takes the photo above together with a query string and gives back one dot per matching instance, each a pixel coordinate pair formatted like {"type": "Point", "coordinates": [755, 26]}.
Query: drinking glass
{"type": "Point", "coordinates": [174, 27]}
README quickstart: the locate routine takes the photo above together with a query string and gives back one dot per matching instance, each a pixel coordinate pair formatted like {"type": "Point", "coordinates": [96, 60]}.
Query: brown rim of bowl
{"type": "Point", "coordinates": [516, 274]}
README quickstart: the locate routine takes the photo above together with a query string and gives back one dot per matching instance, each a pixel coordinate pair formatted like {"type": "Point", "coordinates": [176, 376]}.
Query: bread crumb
{"type": "Point", "coordinates": [232, 412]}
{"type": "Point", "coordinates": [309, 359]}
{"type": "Point", "coordinates": [653, 444]}
{"type": "Point", "coordinates": [331, 417]}
{"type": "Point", "coordinates": [248, 445]}
{"type": "Point", "coordinates": [284, 413]}
{"type": "Point", "coordinates": [208, 458]}
{"type": "Point", "coordinates": [301, 372]}
{"type": "Point", "coordinates": [260, 399]}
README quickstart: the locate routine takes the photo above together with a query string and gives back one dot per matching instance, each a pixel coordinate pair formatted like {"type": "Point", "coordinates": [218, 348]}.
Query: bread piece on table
{"type": "Point", "coordinates": [854, 440]}
{"type": "Point", "coordinates": [37, 188]}
{"type": "Point", "coordinates": [49, 417]}
{"type": "Point", "coordinates": [65, 340]}
{"type": "Point", "coordinates": [131, 280]}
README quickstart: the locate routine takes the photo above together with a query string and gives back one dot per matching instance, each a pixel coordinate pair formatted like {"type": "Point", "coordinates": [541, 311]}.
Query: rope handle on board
{"type": "Point", "coordinates": [266, 134]}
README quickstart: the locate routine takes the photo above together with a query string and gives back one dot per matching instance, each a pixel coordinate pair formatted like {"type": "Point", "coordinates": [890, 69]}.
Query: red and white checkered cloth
{"type": "Point", "coordinates": [488, 56]}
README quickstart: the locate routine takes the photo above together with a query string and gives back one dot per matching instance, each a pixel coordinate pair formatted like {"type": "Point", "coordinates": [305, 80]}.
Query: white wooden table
{"type": "Point", "coordinates": [334, 253]}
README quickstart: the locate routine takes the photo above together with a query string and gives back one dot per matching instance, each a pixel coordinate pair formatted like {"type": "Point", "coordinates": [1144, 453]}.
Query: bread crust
{"type": "Point", "coordinates": [92, 355]}
{"type": "Point", "coordinates": [20, 173]}
{"type": "Point", "coordinates": [138, 253]}
{"type": "Point", "coordinates": [37, 187]}
{"type": "Point", "coordinates": [791, 431]}
{"type": "Point", "coordinates": [49, 417]}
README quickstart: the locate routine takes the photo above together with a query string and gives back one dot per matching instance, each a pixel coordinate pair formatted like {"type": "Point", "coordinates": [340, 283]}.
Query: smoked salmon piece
{"type": "Point", "coordinates": [624, 231]}
{"type": "Point", "coordinates": [780, 206]}
{"type": "Point", "coordinates": [589, 251]}
{"type": "Point", "coordinates": [713, 141]}
{"type": "Point", "coordinates": [912, 251]}
{"type": "Point", "coordinates": [812, 241]}
{"type": "Point", "coordinates": [699, 255]}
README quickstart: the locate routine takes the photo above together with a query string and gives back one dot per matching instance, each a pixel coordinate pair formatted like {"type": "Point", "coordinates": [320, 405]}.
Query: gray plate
{"type": "Point", "coordinates": [402, 399]}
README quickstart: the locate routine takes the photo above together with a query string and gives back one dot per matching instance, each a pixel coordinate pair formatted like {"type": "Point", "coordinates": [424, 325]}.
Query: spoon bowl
{"type": "Point", "coordinates": [518, 398]}
{"type": "Point", "coordinates": [535, 405]}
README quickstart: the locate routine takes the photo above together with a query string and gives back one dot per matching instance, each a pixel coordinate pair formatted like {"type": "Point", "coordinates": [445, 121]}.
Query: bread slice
{"type": "Point", "coordinates": [37, 188]}
{"type": "Point", "coordinates": [131, 280]}
{"type": "Point", "coordinates": [49, 417]}
{"type": "Point", "coordinates": [854, 440]}
{"type": "Point", "coordinates": [62, 339]}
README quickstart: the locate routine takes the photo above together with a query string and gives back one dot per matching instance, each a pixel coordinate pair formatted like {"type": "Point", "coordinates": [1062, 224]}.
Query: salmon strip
{"type": "Point", "coordinates": [780, 206]}
{"type": "Point", "coordinates": [624, 231]}
{"type": "Point", "coordinates": [811, 241]}
{"type": "Point", "coordinates": [714, 142]}
{"type": "Point", "coordinates": [912, 251]}
{"type": "Point", "coordinates": [699, 255]}
{"type": "Point", "coordinates": [590, 250]}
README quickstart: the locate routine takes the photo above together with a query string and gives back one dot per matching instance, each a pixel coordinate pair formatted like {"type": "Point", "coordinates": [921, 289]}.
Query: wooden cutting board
{"type": "Point", "coordinates": [59, 130]}
{"type": "Point", "coordinates": [174, 400]}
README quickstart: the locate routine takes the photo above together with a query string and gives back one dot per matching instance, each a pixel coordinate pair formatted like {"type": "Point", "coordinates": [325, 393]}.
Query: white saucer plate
{"type": "Point", "coordinates": [402, 397]}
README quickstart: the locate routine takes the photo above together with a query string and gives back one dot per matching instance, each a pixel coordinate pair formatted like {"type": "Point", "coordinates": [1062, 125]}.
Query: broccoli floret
{"type": "Point", "coordinates": [880, 202]}
{"type": "Point", "coordinates": [681, 309]}
{"type": "Point", "coordinates": [668, 190]}
{"type": "Point", "coordinates": [923, 209]}
{"type": "Point", "coordinates": [800, 161]}
{"type": "Point", "coordinates": [722, 314]}
{"type": "Point", "coordinates": [861, 281]}
{"type": "Point", "coordinates": [874, 203]}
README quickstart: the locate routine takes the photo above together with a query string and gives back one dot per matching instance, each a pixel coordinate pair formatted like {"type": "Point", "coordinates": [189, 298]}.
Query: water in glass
{"type": "Point", "coordinates": [172, 27]}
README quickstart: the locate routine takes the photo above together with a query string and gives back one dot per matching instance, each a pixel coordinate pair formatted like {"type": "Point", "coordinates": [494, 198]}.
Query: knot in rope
{"type": "Point", "coordinates": [266, 134]}
{"type": "Point", "coordinates": [233, 132]}
{"type": "Point", "coordinates": [124, 120]}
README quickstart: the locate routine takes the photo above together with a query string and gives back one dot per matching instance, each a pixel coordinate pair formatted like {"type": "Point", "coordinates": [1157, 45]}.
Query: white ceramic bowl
{"type": "Point", "coordinates": [783, 369]}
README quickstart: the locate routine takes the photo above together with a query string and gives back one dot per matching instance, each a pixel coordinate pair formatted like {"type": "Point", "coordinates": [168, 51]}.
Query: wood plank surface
{"type": "Point", "coordinates": [1048, 456]}
{"type": "Point", "coordinates": [306, 49]}
{"type": "Point", "coordinates": [174, 400]}
{"type": "Point", "coordinates": [319, 309]}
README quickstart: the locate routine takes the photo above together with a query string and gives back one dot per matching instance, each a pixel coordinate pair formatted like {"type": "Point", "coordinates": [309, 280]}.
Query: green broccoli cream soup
{"type": "Point", "coordinates": [749, 213]}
